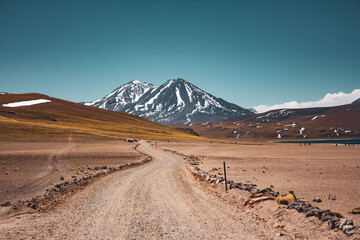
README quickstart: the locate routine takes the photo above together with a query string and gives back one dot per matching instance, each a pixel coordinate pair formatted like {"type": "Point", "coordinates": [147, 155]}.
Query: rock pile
{"type": "Point", "coordinates": [345, 225]}
{"type": "Point", "coordinates": [193, 163]}
{"type": "Point", "coordinates": [334, 222]}
{"type": "Point", "coordinates": [67, 188]}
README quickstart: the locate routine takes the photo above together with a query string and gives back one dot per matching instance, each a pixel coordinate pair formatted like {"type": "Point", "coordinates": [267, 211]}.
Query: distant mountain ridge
{"type": "Point", "coordinates": [174, 102]}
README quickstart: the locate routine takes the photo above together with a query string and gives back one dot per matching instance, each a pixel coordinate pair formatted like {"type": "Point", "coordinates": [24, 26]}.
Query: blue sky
{"type": "Point", "coordinates": [247, 52]}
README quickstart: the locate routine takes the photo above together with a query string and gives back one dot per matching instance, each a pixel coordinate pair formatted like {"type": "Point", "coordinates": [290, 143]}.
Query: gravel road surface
{"type": "Point", "coordinates": [158, 200]}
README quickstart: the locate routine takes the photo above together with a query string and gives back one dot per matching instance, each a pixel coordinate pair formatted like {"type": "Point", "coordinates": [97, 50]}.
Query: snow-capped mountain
{"type": "Point", "coordinates": [174, 102]}
{"type": "Point", "coordinates": [124, 95]}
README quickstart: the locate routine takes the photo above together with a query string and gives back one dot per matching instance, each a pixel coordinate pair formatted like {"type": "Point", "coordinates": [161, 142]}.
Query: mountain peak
{"type": "Point", "coordinates": [177, 80]}
{"type": "Point", "coordinates": [174, 102]}
{"type": "Point", "coordinates": [134, 82]}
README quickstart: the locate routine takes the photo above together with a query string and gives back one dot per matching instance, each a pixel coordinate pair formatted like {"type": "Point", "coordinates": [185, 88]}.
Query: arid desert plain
{"type": "Point", "coordinates": [161, 199]}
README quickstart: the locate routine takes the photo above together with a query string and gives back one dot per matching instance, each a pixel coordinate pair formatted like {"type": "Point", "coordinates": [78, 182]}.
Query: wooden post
{"type": "Point", "coordinates": [225, 177]}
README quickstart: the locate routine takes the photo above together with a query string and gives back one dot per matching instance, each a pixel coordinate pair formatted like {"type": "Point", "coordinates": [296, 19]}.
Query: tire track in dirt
{"type": "Point", "coordinates": [42, 180]}
{"type": "Point", "coordinates": [158, 200]}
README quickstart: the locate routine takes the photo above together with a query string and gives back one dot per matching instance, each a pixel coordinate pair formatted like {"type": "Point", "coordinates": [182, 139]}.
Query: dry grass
{"type": "Point", "coordinates": [214, 169]}
{"type": "Point", "coordinates": [355, 211]}
{"type": "Point", "coordinates": [339, 214]}
{"type": "Point", "coordinates": [284, 200]}
{"type": "Point", "coordinates": [61, 120]}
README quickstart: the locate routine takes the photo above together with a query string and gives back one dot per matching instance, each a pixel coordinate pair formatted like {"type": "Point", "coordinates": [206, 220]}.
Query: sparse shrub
{"type": "Point", "coordinates": [2, 162]}
{"type": "Point", "coordinates": [3, 167]}
{"type": "Point", "coordinates": [285, 199]}
{"type": "Point", "coordinates": [254, 184]}
{"type": "Point", "coordinates": [271, 185]}
{"type": "Point", "coordinates": [355, 210]}
{"type": "Point", "coordinates": [73, 176]}
{"type": "Point", "coordinates": [220, 173]}
{"type": "Point", "coordinates": [7, 173]}
{"type": "Point", "coordinates": [72, 169]}
{"type": "Point", "coordinates": [339, 214]}
{"type": "Point", "coordinates": [16, 169]}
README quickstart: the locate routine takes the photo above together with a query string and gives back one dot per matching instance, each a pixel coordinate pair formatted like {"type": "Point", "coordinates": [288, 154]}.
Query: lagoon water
{"type": "Point", "coordinates": [329, 141]}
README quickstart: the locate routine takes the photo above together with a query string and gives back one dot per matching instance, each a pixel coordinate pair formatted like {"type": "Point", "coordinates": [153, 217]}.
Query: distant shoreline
{"type": "Point", "coordinates": [330, 141]}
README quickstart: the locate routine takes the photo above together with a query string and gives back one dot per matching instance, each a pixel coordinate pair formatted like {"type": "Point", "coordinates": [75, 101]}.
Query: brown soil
{"type": "Point", "coordinates": [310, 171]}
{"type": "Point", "coordinates": [162, 200]}
{"type": "Point", "coordinates": [34, 167]}
{"type": "Point", "coordinates": [158, 200]}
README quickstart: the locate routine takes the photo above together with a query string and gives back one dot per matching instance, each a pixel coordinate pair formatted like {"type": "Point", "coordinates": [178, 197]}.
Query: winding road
{"type": "Point", "coordinates": [158, 200]}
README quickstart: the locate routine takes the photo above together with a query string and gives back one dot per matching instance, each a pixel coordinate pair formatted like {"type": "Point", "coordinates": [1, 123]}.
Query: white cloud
{"type": "Point", "coordinates": [330, 99]}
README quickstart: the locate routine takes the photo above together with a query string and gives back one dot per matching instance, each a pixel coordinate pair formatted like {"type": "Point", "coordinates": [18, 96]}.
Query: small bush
{"type": "Point", "coordinates": [73, 176]}
{"type": "Point", "coordinates": [214, 169]}
{"type": "Point", "coordinates": [16, 169]}
{"type": "Point", "coordinates": [2, 162]}
{"type": "Point", "coordinates": [220, 173]}
{"type": "Point", "coordinates": [7, 173]}
{"type": "Point", "coordinates": [285, 199]}
{"type": "Point", "coordinates": [339, 214]}
{"type": "Point", "coordinates": [271, 185]}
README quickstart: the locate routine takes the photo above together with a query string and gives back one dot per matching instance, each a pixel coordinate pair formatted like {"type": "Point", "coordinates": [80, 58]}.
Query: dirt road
{"type": "Point", "coordinates": [159, 200]}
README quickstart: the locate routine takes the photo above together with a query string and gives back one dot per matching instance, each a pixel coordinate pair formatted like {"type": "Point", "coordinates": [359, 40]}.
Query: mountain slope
{"type": "Point", "coordinates": [174, 102]}
{"type": "Point", "coordinates": [122, 96]}
{"type": "Point", "coordinates": [56, 119]}
{"type": "Point", "coordinates": [356, 101]}
{"type": "Point", "coordinates": [312, 123]}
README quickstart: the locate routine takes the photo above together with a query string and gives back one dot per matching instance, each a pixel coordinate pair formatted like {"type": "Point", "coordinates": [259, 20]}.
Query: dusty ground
{"type": "Point", "coordinates": [158, 200]}
{"type": "Point", "coordinates": [33, 167]}
{"type": "Point", "coordinates": [310, 171]}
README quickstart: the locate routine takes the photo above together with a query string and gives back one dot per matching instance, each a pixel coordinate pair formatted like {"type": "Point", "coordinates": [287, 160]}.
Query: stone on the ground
{"type": "Point", "coordinates": [316, 199]}
{"type": "Point", "coordinates": [332, 197]}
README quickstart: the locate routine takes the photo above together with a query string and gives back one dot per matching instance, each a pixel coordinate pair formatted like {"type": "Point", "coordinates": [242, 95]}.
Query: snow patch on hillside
{"type": "Point", "coordinates": [26, 103]}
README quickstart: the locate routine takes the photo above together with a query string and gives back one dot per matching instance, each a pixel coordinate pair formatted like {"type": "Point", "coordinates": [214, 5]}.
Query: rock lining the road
{"type": "Point", "coordinates": [55, 194]}
{"type": "Point", "coordinates": [345, 225]}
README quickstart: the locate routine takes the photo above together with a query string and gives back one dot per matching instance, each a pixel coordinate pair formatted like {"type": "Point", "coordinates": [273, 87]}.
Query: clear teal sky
{"type": "Point", "coordinates": [247, 52]}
